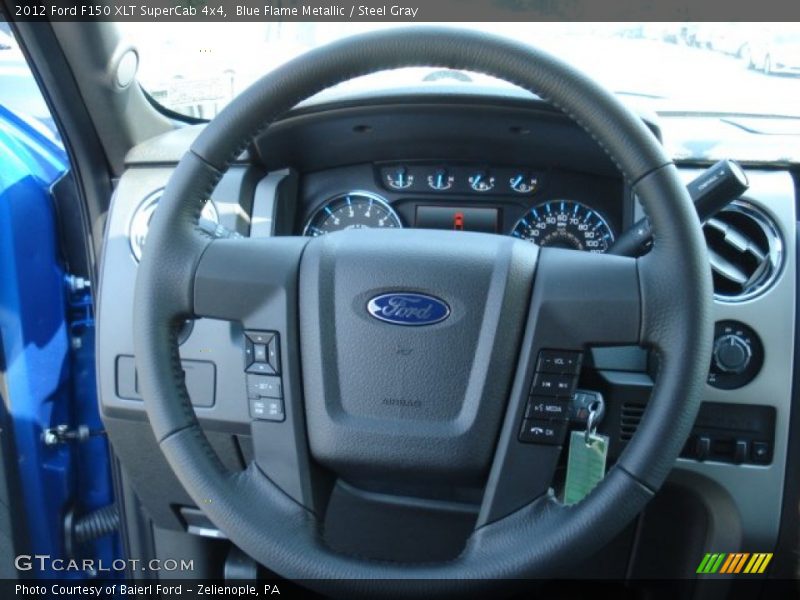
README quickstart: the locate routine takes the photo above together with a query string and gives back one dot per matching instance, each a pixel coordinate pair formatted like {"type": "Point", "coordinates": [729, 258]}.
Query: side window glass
{"type": "Point", "coordinates": [27, 128]}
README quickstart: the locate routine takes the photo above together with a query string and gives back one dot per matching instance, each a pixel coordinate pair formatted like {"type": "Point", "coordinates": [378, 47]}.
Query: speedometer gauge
{"type": "Point", "coordinates": [565, 224]}
{"type": "Point", "coordinates": [356, 210]}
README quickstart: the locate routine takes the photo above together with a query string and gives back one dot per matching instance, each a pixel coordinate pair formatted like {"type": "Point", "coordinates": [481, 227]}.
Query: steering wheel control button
{"type": "Point", "coordinates": [267, 409]}
{"type": "Point", "coordinates": [274, 354]}
{"type": "Point", "coordinates": [542, 407]}
{"type": "Point", "coordinates": [543, 431]}
{"type": "Point", "coordinates": [264, 386]}
{"type": "Point", "coordinates": [559, 361]}
{"type": "Point", "coordinates": [260, 337]}
{"type": "Point", "coordinates": [549, 384]}
{"type": "Point", "coordinates": [261, 367]}
{"type": "Point", "coordinates": [262, 354]}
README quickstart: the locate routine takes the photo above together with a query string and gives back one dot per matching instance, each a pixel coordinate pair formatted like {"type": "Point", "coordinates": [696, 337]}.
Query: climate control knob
{"type": "Point", "coordinates": [732, 353]}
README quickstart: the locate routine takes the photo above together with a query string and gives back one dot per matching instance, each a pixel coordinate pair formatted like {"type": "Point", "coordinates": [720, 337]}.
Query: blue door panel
{"type": "Point", "coordinates": [47, 337]}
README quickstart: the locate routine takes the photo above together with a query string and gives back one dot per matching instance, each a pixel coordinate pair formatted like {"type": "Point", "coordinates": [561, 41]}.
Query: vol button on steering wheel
{"type": "Point", "coordinates": [507, 300]}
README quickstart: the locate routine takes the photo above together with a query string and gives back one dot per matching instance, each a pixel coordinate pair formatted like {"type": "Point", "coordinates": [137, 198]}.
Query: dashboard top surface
{"type": "Point", "coordinates": [688, 137]}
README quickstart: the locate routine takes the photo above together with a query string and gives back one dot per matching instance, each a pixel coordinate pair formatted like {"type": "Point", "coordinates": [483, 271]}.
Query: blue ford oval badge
{"type": "Point", "coordinates": [408, 308]}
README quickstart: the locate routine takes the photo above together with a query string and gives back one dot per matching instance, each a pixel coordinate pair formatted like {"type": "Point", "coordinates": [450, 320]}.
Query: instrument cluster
{"type": "Point", "coordinates": [546, 207]}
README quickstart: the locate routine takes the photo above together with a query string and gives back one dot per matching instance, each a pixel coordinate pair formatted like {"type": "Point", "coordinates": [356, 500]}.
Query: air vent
{"type": "Point", "coordinates": [629, 420]}
{"type": "Point", "coordinates": [745, 250]}
{"type": "Point", "coordinates": [140, 222]}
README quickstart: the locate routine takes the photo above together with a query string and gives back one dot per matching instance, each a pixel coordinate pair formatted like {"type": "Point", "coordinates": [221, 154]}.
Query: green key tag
{"type": "Point", "coordinates": [586, 465]}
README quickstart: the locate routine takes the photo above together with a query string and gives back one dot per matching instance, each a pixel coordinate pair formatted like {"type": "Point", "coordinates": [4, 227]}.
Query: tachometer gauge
{"type": "Point", "coordinates": [565, 224]}
{"type": "Point", "coordinates": [355, 210]}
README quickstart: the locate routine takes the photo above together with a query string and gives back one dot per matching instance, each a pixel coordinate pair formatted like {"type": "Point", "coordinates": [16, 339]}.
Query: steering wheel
{"type": "Point", "coordinates": [449, 408]}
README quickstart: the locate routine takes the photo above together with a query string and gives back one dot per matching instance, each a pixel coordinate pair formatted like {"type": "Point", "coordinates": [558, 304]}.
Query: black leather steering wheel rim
{"type": "Point", "coordinates": [675, 322]}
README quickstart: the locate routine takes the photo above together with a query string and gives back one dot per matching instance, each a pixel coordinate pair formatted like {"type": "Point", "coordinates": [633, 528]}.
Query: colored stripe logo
{"type": "Point", "coordinates": [734, 563]}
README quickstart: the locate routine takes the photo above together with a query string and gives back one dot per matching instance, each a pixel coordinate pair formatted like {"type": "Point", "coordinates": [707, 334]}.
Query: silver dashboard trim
{"type": "Point", "coordinates": [757, 491]}
{"type": "Point", "coordinates": [262, 221]}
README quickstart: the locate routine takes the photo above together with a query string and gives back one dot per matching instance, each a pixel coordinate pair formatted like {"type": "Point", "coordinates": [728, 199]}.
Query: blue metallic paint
{"type": "Point", "coordinates": [47, 382]}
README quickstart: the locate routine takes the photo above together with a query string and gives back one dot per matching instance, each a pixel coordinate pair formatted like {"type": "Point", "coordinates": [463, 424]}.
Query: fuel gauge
{"type": "Point", "coordinates": [523, 183]}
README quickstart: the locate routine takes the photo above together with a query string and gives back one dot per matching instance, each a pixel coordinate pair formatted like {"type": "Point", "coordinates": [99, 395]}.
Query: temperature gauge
{"type": "Point", "coordinates": [481, 181]}
{"type": "Point", "coordinates": [523, 184]}
{"type": "Point", "coordinates": [441, 180]}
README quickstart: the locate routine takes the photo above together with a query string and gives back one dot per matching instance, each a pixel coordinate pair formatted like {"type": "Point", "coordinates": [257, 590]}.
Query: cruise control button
{"type": "Point", "coordinates": [248, 353]}
{"type": "Point", "coordinates": [560, 362]}
{"type": "Point", "coordinates": [260, 353]}
{"type": "Point", "coordinates": [267, 409]}
{"type": "Point", "coordinates": [262, 368]}
{"type": "Point", "coordinates": [542, 407]}
{"type": "Point", "coordinates": [549, 384]}
{"type": "Point", "coordinates": [543, 431]}
{"type": "Point", "coordinates": [260, 337]}
{"type": "Point", "coordinates": [274, 354]}
{"type": "Point", "coordinates": [263, 386]}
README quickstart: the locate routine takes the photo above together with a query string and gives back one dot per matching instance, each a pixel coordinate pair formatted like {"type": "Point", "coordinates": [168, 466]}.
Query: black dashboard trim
{"type": "Point", "coordinates": [460, 128]}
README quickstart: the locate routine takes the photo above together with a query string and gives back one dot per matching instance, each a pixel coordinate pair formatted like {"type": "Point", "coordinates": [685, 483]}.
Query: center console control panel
{"type": "Point", "coordinates": [732, 433]}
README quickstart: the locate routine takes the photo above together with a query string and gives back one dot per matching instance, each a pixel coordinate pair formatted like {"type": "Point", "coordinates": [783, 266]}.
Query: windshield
{"type": "Point", "coordinates": [744, 68]}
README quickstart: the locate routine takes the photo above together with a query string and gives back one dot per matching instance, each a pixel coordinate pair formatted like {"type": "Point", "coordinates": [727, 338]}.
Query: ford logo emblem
{"type": "Point", "coordinates": [408, 309]}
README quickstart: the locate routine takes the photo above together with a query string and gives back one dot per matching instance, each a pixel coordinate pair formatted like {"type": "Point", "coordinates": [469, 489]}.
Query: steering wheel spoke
{"type": "Point", "coordinates": [253, 281]}
{"type": "Point", "coordinates": [583, 299]}
{"type": "Point", "coordinates": [579, 299]}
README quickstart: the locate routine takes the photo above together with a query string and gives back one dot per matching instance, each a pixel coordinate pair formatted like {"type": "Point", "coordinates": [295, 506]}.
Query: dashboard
{"type": "Point", "coordinates": [500, 165]}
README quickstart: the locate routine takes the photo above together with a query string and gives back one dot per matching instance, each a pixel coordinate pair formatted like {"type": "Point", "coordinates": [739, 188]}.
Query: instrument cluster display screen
{"type": "Point", "coordinates": [458, 218]}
